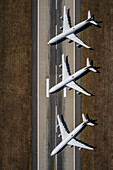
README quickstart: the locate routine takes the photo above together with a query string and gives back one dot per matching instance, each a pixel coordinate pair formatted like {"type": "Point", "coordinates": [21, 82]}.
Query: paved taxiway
{"type": "Point", "coordinates": [49, 57]}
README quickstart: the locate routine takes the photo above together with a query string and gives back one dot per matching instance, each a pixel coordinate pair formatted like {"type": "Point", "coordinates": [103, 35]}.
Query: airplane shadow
{"type": "Point", "coordinates": [67, 64]}
{"type": "Point", "coordinates": [64, 123]}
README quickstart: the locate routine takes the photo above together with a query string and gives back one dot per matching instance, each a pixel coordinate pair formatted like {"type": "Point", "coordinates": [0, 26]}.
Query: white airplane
{"type": "Point", "coordinates": [69, 138]}
{"type": "Point", "coordinates": [70, 32]}
{"type": "Point", "coordinates": [69, 80]}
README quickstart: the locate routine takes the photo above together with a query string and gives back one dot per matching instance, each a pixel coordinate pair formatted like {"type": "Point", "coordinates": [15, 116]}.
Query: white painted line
{"type": "Point", "coordinates": [56, 30]}
{"type": "Point", "coordinates": [56, 4]}
{"type": "Point", "coordinates": [56, 132]}
{"type": "Point", "coordinates": [74, 12]}
{"type": "Point", "coordinates": [56, 74]}
{"type": "Point", "coordinates": [47, 87]}
{"type": "Point", "coordinates": [56, 35]}
{"type": "Point", "coordinates": [65, 92]}
{"type": "Point", "coordinates": [38, 132]}
{"type": "Point", "coordinates": [56, 119]}
{"type": "Point", "coordinates": [56, 46]}
{"type": "Point", "coordinates": [56, 162]}
{"type": "Point", "coordinates": [74, 127]}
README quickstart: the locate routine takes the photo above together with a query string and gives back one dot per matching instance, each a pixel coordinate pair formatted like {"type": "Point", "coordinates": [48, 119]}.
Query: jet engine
{"type": "Point", "coordinates": [61, 17]}
{"type": "Point", "coordinates": [59, 135]}
{"type": "Point", "coordinates": [80, 149]}
{"type": "Point", "coordinates": [60, 65]}
{"type": "Point", "coordinates": [61, 28]}
{"type": "Point", "coordinates": [79, 46]}
{"type": "Point", "coordinates": [57, 126]}
{"type": "Point", "coordinates": [69, 88]}
{"type": "Point", "coordinates": [70, 41]}
{"type": "Point", "coordinates": [78, 92]}
{"type": "Point", "coordinates": [60, 76]}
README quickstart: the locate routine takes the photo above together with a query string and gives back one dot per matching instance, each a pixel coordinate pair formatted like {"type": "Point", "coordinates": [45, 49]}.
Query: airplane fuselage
{"type": "Point", "coordinates": [63, 83]}
{"type": "Point", "coordinates": [75, 29]}
{"type": "Point", "coordinates": [69, 137]}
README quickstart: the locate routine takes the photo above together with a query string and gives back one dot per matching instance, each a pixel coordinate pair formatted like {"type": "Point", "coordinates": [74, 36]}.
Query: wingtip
{"type": "Point", "coordinates": [94, 147]}
{"type": "Point", "coordinates": [98, 26]}
{"type": "Point", "coordinates": [98, 71]}
{"type": "Point", "coordinates": [92, 95]}
{"type": "Point", "coordinates": [91, 48]}
{"type": "Point", "coordinates": [89, 94]}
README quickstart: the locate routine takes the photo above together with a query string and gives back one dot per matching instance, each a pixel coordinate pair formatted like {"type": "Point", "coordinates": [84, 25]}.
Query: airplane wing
{"type": "Point", "coordinates": [66, 25]}
{"type": "Point", "coordinates": [74, 38]}
{"type": "Point", "coordinates": [65, 72]}
{"type": "Point", "coordinates": [63, 131]}
{"type": "Point", "coordinates": [78, 143]}
{"type": "Point", "coordinates": [77, 87]}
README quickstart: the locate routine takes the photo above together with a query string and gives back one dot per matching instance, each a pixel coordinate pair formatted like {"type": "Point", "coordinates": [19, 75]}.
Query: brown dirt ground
{"type": "Point", "coordinates": [15, 85]}
{"type": "Point", "coordinates": [99, 106]}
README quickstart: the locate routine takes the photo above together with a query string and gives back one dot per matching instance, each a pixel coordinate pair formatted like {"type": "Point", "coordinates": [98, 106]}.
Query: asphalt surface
{"type": "Point", "coordinates": [48, 60]}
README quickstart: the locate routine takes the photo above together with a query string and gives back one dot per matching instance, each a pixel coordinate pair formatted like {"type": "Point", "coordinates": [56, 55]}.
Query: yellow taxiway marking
{"type": "Point", "coordinates": [55, 134]}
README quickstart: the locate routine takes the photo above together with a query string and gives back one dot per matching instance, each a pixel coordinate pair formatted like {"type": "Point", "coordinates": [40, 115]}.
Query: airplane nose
{"type": "Point", "coordinates": [53, 89]}
{"type": "Point", "coordinates": [50, 91]}
{"type": "Point", "coordinates": [51, 153]}
{"type": "Point", "coordinates": [51, 41]}
{"type": "Point", "coordinates": [48, 43]}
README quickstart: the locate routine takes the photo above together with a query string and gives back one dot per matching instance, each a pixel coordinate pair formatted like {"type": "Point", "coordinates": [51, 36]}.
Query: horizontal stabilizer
{"type": "Point", "coordinates": [93, 22]}
{"type": "Point", "coordinates": [88, 121]}
{"type": "Point", "coordinates": [91, 68]}
{"type": "Point", "coordinates": [91, 19]}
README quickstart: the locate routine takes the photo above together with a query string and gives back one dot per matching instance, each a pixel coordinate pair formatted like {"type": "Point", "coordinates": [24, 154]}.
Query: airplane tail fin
{"type": "Point", "coordinates": [89, 14]}
{"type": "Point", "coordinates": [91, 19]}
{"type": "Point", "coordinates": [89, 121]}
{"type": "Point", "coordinates": [91, 68]}
{"type": "Point", "coordinates": [88, 63]}
{"type": "Point", "coordinates": [83, 118]}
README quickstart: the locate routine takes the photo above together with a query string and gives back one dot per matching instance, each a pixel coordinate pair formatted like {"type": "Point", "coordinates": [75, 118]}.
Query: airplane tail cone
{"type": "Point", "coordinates": [91, 122]}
